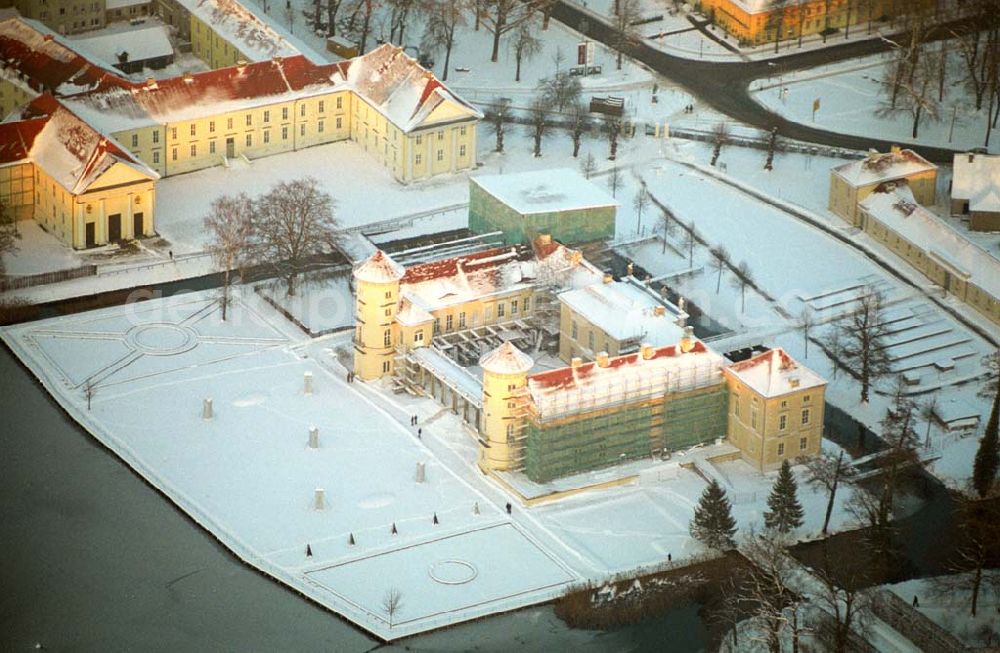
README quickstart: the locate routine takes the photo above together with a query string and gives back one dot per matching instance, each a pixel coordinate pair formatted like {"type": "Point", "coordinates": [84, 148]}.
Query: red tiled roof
{"type": "Point", "coordinates": [16, 138]}
{"type": "Point", "coordinates": [765, 357]}
{"type": "Point", "coordinates": [478, 261]}
{"type": "Point", "coordinates": [566, 377]}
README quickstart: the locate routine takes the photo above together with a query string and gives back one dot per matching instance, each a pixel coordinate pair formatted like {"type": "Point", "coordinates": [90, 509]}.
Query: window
{"type": "Point", "coordinates": [488, 313]}
{"type": "Point", "coordinates": [527, 304]}
{"type": "Point", "coordinates": [782, 422]}
{"type": "Point", "coordinates": [267, 135]}
{"type": "Point", "coordinates": [194, 150]}
{"type": "Point", "coordinates": [387, 338]}
{"type": "Point", "coordinates": [784, 404]}
{"type": "Point", "coordinates": [590, 340]}
{"type": "Point", "coordinates": [803, 444]}
{"type": "Point", "coordinates": [267, 116]}
{"type": "Point", "coordinates": [284, 133]}
{"type": "Point", "coordinates": [753, 417]}
{"type": "Point", "coordinates": [736, 405]}
{"type": "Point", "coordinates": [302, 110]}
{"type": "Point", "coordinates": [302, 129]}
{"type": "Point", "coordinates": [193, 129]}
{"type": "Point", "coordinates": [513, 307]}
{"type": "Point", "coordinates": [339, 123]}
{"type": "Point", "coordinates": [156, 157]}
{"type": "Point", "coordinates": [574, 331]}
{"type": "Point", "coordinates": [211, 126]}
{"type": "Point", "coordinates": [500, 310]}
{"type": "Point", "coordinates": [388, 312]}
{"type": "Point", "coordinates": [461, 320]}
{"type": "Point", "coordinates": [249, 140]}
{"type": "Point", "coordinates": [385, 367]}
{"type": "Point", "coordinates": [156, 136]}
{"type": "Point", "coordinates": [284, 113]}
{"type": "Point", "coordinates": [173, 154]}
{"type": "Point", "coordinates": [322, 106]}
{"type": "Point", "coordinates": [340, 103]}
{"type": "Point", "coordinates": [135, 140]}
{"type": "Point", "coordinates": [173, 133]}
{"type": "Point", "coordinates": [440, 155]}
{"type": "Point", "coordinates": [461, 150]}
{"type": "Point", "coordinates": [440, 134]}
{"type": "Point", "coordinates": [249, 119]}
{"type": "Point", "coordinates": [229, 123]}
{"type": "Point", "coordinates": [211, 147]}
{"type": "Point", "coordinates": [388, 294]}
{"type": "Point", "coordinates": [510, 434]}
{"type": "Point", "coordinates": [420, 139]}
{"type": "Point", "coordinates": [418, 335]}
{"type": "Point", "coordinates": [447, 322]}
{"type": "Point", "coordinates": [805, 399]}
{"type": "Point", "coordinates": [319, 126]}
{"type": "Point", "coordinates": [781, 448]}
{"type": "Point", "coordinates": [461, 130]}
{"type": "Point", "coordinates": [805, 416]}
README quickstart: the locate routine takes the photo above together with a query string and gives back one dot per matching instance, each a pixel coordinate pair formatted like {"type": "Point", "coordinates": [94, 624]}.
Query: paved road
{"type": "Point", "coordinates": [724, 85]}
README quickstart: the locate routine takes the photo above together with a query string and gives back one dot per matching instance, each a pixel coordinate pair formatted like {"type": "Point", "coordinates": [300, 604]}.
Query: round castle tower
{"type": "Point", "coordinates": [505, 373]}
{"type": "Point", "coordinates": [376, 296]}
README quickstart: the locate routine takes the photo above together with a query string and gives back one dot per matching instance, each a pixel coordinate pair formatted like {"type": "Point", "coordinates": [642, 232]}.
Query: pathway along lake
{"type": "Point", "coordinates": [94, 559]}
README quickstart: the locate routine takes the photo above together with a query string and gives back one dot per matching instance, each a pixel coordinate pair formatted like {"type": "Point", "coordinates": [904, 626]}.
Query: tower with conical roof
{"type": "Point", "coordinates": [376, 297]}
{"type": "Point", "coordinates": [505, 375]}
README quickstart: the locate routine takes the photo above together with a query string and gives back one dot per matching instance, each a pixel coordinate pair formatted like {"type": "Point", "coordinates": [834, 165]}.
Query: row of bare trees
{"type": "Point", "coordinates": [282, 229]}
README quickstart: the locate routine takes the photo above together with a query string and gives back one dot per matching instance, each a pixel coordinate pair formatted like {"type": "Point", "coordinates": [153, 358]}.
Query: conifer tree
{"type": "Point", "coordinates": [785, 512]}
{"type": "Point", "coordinates": [984, 469]}
{"type": "Point", "coordinates": [713, 523]}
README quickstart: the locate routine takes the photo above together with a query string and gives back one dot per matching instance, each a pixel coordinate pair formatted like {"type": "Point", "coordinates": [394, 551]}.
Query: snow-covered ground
{"type": "Point", "coordinates": [951, 609]}
{"type": "Point", "coordinates": [849, 92]}
{"type": "Point", "coordinates": [152, 364]}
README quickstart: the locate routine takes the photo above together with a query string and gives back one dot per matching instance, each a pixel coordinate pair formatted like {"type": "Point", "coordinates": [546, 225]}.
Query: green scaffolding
{"type": "Point", "coordinates": [628, 433]}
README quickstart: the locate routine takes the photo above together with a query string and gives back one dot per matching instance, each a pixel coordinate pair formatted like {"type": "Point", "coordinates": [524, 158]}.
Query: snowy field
{"type": "Point", "coordinates": [849, 93]}
{"type": "Point", "coordinates": [150, 366]}
{"type": "Point", "coordinates": [950, 608]}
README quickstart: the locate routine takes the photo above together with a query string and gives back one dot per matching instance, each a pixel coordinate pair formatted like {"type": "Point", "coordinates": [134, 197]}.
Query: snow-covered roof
{"type": "Point", "coordinates": [399, 88]}
{"type": "Point", "coordinates": [128, 105]}
{"type": "Point", "coordinates": [506, 359]}
{"type": "Point", "coordinates": [456, 280]}
{"type": "Point", "coordinates": [42, 60]}
{"type": "Point", "coordinates": [877, 168]}
{"type": "Point", "coordinates": [633, 377]}
{"type": "Point", "coordinates": [898, 210]}
{"type": "Point", "coordinates": [237, 24]}
{"type": "Point", "coordinates": [120, 4]}
{"type": "Point", "coordinates": [379, 268]}
{"type": "Point", "coordinates": [72, 152]}
{"type": "Point", "coordinates": [545, 191]}
{"type": "Point", "coordinates": [976, 178]}
{"type": "Point", "coordinates": [753, 6]}
{"type": "Point", "coordinates": [17, 138]}
{"type": "Point", "coordinates": [624, 310]}
{"type": "Point", "coordinates": [140, 44]}
{"type": "Point", "coordinates": [774, 373]}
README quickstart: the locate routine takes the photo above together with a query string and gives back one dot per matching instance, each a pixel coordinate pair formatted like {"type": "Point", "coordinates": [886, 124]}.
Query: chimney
{"type": "Point", "coordinates": [793, 381]}
{"type": "Point", "coordinates": [972, 157]}
{"type": "Point", "coordinates": [659, 311]}
{"type": "Point", "coordinates": [576, 257]}
{"type": "Point", "coordinates": [241, 65]}
{"type": "Point", "coordinates": [47, 38]}
{"type": "Point", "coordinates": [608, 278]}
{"type": "Point", "coordinates": [646, 350]}
{"type": "Point", "coordinates": [603, 359]}
{"type": "Point", "coordinates": [629, 268]}
{"type": "Point", "coordinates": [873, 155]}
{"type": "Point", "coordinates": [188, 77]}
{"type": "Point", "coordinates": [276, 60]}
{"type": "Point", "coordinates": [895, 149]}
{"type": "Point", "coordinates": [687, 340]}
{"type": "Point", "coordinates": [575, 362]}
{"type": "Point", "coordinates": [544, 239]}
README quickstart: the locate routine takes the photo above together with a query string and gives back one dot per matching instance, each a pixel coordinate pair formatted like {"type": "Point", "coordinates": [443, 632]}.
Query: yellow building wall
{"type": "Point", "coordinates": [844, 197]}
{"type": "Point", "coordinates": [12, 96]}
{"type": "Point", "coordinates": [374, 328]}
{"type": "Point", "coordinates": [768, 431]}
{"type": "Point", "coordinates": [148, 144]}
{"type": "Point", "coordinates": [493, 309]}
{"type": "Point", "coordinates": [211, 48]}
{"type": "Point", "coordinates": [55, 208]}
{"type": "Point", "coordinates": [17, 189]}
{"type": "Point", "coordinates": [571, 346]}
{"type": "Point", "coordinates": [500, 425]}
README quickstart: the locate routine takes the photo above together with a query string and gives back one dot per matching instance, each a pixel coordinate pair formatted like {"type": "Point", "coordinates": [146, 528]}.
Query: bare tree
{"type": "Point", "coordinates": [719, 263]}
{"type": "Point", "coordinates": [829, 471]}
{"type": "Point", "coordinates": [690, 240]}
{"type": "Point", "coordinates": [539, 117]}
{"type": "Point", "coordinates": [720, 136]}
{"type": "Point", "coordinates": [772, 144]}
{"type": "Point", "coordinates": [561, 90]}
{"type": "Point", "coordinates": [525, 46]}
{"type": "Point", "coordinates": [626, 13]}
{"type": "Point", "coordinates": [89, 390]}
{"type": "Point", "coordinates": [315, 16]}
{"type": "Point", "coordinates": [588, 165]}
{"type": "Point", "coordinates": [579, 124]}
{"type": "Point", "coordinates": [332, 9]}
{"type": "Point", "coordinates": [805, 324]}
{"type": "Point", "coordinates": [498, 115]}
{"type": "Point", "coordinates": [8, 232]}
{"type": "Point", "coordinates": [392, 602]}
{"type": "Point", "coordinates": [639, 202]}
{"type": "Point", "coordinates": [399, 17]}
{"type": "Point", "coordinates": [861, 341]}
{"type": "Point", "coordinates": [290, 17]}
{"type": "Point", "coordinates": [443, 18]}
{"type": "Point", "coordinates": [842, 599]}
{"type": "Point", "coordinates": [230, 226]}
{"type": "Point", "coordinates": [362, 10]}
{"type": "Point", "coordinates": [614, 180]}
{"type": "Point", "coordinates": [979, 527]}
{"type": "Point", "coordinates": [612, 126]}
{"type": "Point", "coordinates": [913, 94]}
{"type": "Point", "coordinates": [502, 16]}
{"type": "Point", "coordinates": [766, 590]}
{"type": "Point", "coordinates": [743, 280]}
{"type": "Point", "coordinates": [665, 226]}
{"type": "Point", "coordinates": [775, 22]}
{"type": "Point", "coordinates": [927, 413]}
{"type": "Point", "coordinates": [293, 222]}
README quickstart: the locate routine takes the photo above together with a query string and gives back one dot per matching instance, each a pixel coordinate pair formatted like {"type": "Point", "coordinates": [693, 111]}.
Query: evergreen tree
{"type": "Point", "coordinates": [785, 512]}
{"type": "Point", "coordinates": [713, 523]}
{"type": "Point", "coordinates": [984, 469]}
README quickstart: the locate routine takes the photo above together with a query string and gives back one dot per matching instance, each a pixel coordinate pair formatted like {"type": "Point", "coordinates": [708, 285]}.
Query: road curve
{"type": "Point", "coordinates": [724, 86]}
